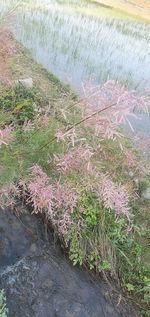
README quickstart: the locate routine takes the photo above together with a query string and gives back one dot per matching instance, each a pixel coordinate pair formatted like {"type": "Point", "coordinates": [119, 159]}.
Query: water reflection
{"type": "Point", "coordinates": [75, 45]}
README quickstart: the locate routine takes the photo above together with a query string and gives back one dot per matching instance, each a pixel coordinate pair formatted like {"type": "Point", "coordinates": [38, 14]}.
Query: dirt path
{"type": "Point", "coordinates": [7, 48]}
{"type": "Point", "coordinates": [139, 8]}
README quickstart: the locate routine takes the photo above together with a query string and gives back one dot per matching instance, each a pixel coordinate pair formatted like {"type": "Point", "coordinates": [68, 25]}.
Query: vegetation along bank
{"type": "Point", "coordinates": [69, 161]}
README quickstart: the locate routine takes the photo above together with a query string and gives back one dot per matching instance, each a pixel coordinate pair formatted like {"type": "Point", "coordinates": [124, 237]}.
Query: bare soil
{"type": "Point", "coordinates": [139, 8]}
{"type": "Point", "coordinates": [8, 47]}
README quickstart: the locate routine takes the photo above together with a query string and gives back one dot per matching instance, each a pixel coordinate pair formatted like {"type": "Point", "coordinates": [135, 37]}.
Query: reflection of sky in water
{"type": "Point", "coordinates": [77, 46]}
{"type": "Point", "coordinates": [141, 133]}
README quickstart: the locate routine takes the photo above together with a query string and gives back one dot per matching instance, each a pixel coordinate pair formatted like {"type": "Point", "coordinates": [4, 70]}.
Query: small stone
{"type": "Point", "coordinates": [136, 181]}
{"type": "Point", "coordinates": [27, 82]}
{"type": "Point", "coordinates": [146, 194]}
{"type": "Point", "coordinates": [131, 174]}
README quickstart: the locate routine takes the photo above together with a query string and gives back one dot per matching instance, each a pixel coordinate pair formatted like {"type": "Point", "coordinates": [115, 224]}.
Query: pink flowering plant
{"type": "Point", "coordinates": [74, 166]}
{"type": "Point", "coordinates": [54, 199]}
{"type": "Point", "coordinates": [6, 135]}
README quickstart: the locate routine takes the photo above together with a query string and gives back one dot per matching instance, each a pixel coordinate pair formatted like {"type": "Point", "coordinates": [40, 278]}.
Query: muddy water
{"type": "Point", "coordinates": [39, 281]}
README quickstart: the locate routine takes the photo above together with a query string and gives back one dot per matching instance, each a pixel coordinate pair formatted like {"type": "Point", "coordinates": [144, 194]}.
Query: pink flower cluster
{"type": "Point", "coordinates": [6, 135]}
{"type": "Point", "coordinates": [41, 193]}
{"type": "Point", "coordinates": [104, 127]}
{"type": "Point", "coordinates": [118, 102]}
{"type": "Point", "coordinates": [70, 136]}
{"type": "Point", "coordinates": [65, 196]}
{"type": "Point", "coordinates": [112, 93]}
{"type": "Point", "coordinates": [113, 195]}
{"type": "Point", "coordinates": [77, 159]}
{"type": "Point", "coordinates": [130, 159]}
{"type": "Point", "coordinates": [43, 121]}
{"type": "Point", "coordinates": [57, 200]}
{"type": "Point", "coordinates": [8, 193]}
{"type": "Point", "coordinates": [28, 126]}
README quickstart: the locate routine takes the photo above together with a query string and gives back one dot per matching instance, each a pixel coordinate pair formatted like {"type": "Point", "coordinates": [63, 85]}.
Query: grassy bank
{"type": "Point", "coordinates": [111, 244]}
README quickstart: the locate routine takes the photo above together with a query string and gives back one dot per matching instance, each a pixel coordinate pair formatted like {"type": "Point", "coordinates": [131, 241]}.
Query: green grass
{"type": "Point", "coordinates": [103, 242]}
{"type": "Point", "coordinates": [18, 105]}
{"type": "Point", "coordinates": [3, 308]}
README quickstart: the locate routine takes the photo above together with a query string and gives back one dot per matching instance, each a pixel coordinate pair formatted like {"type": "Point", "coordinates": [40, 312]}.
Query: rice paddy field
{"type": "Point", "coordinates": [83, 40]}
{"type": "Point", "coordinates": [79, 40]}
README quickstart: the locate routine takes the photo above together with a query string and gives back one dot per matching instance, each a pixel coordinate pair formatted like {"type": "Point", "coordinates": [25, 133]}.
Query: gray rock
{"type": "Point", "coordinates": [146, 194]}
{"type": "Point", "coordinates": [27, 82]}
{"type": "Point", "coordinates": [131, 174]}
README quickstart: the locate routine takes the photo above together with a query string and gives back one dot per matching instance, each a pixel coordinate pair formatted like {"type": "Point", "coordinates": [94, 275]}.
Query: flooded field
{"type": "Point", "coordinates": [78, 41]}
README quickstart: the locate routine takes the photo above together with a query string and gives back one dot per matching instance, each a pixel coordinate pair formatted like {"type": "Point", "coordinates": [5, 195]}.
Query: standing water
{"type": "Point", "coordinates": [77, 40]}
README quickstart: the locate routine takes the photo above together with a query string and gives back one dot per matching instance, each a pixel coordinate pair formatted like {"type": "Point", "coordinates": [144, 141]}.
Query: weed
{"type": "Point", "coordinates": [19, 103]}
{"type": "Point", "coordinates": [3, 308]}
{"type": "Point", "coordinates": [142, 185]}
